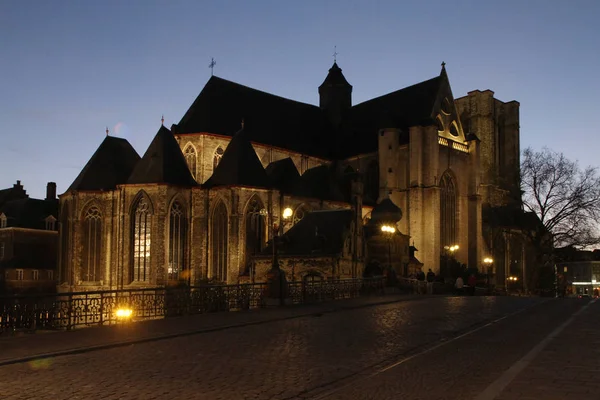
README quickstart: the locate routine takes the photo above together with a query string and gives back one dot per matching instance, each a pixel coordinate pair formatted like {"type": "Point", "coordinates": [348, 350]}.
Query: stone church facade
{"type": "Point", "coordinates": [244, 170]}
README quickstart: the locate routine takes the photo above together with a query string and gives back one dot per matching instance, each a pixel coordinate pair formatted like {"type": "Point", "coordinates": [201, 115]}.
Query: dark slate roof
{"type": "Point", "coordinates": [110, 166]}
{"type": "Point", "coordinates": [163, 162]}
{"type": "Point", "coordinates": [283, 174]}
{"type": "Point", "coordinates": [411, 106]}
{"type": "Point", "coordinates": [335, 77]}
{"type": "Point", "coordinates": [239, 165]}
{"type": "Point", "coordinates": [386, 211]}
{"type": "Point", "coordinates": [29, 213]}
{"type": "Point", "coordinates": [318, 233]}
{"type": "Point", "coordinates": [14, 193]}
{"type": "Point", "coordinates": [320, 183]}
{"type": "Point", "coordinates": [222, 105]}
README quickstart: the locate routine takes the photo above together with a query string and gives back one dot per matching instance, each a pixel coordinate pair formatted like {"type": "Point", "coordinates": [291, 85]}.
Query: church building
{"type": "Point", "coordinates": [247, 176]}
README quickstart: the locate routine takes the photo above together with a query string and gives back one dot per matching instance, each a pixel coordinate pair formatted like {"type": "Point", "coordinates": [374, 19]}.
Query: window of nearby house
{"type": "Point", "coordinates": [50, 275]}
{"type": "Point", "coordinates": [50, 223]}
{"type": "Point", "coordinates": [3, 220]}
{"type": "Point", "coordinates": [19, 274]}
{"type": "Point", "coordinates": [36, 274]}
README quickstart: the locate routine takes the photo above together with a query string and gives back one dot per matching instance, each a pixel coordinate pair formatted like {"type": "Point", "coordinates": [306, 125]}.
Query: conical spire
{"type": "Point", "coordinates": [163, 162]}
{"type": "Point", "coordinates": [239, 165]}
{"type": "Point", "coordinates": [335, 95]}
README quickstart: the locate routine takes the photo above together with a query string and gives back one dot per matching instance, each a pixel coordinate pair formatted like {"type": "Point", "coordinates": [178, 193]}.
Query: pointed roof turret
{"type": "Point", "coordinates": [108, 167]}
{"type": "Point", "coordinates": [335, 77]}
{"type": "Point", "coordinates": [163, 162]}
{"type": "Point", "coordinates": [239, 165]}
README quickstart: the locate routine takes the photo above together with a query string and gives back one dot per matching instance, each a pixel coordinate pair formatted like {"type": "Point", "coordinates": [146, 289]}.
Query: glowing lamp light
{"type": "Point", "coordinates": [488, 260]}
{"type": "Point", "coordinates": [388, 229]}
{"type": "Point", "coordinates": [124, 313]}
{"type": "Point", "coordinates": [451, 249]}
{"type": "Point", "coordinates": [287, 213]}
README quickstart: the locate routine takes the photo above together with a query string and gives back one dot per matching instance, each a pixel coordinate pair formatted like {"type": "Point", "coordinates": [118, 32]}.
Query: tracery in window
{"type": "Point", "coordinates": [219, 236]}
{"type": "Point", "coordinates": [141, 239]}
{"type": "Point", "coordinates": [255, 229]}
{"type": "Point", "coordinates": [447, 211]}
{"type": "Point", "coordinates": [191, 158]}
{"type": "Point", "coordinates": [92, 245]}
{"type": "Point", "coordinates": [218, 155]}
{"type": "Point", "coordinates": [300, 213]}
{"type": "Point", "coordinates": [178, 227]}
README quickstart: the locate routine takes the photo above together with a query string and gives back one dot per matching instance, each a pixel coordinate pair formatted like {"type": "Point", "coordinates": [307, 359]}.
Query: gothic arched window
{"type": "Point", "coordinates": [92, 246]}
{"type": "Point", "coordinates": [372, 181]}
{"type": "Point", "coordinates": [141, 227]}
{"type": "Point", "coordinates": [219, 243]}
{"type": "Point", "coordinates": [218, 155]}
{"type": "Point", "coordinates": [177, 241]}
{"type": "Point", "coordinates": [190, 159]}
{"type": "Point", "coordinates": [447, 211]}
{"type": "Point", "coordinates": [255, 229]}
{"type": "Point", "coordinates": [300, 213]}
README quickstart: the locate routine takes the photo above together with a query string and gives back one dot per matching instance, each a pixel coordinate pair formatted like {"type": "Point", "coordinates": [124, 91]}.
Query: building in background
{"type": "Point", "coordinates": [28, 240]}
{"type": "Point", "coordinates": [244, 167]}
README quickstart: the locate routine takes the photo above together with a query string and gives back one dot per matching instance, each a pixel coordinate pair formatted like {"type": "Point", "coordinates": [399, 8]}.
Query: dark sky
{"type": "Point", "coordinates": [71, 68]}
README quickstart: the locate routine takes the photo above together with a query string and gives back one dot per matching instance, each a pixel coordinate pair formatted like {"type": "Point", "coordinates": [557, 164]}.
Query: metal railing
{"type": "Point", "coordinates": [72, 310]}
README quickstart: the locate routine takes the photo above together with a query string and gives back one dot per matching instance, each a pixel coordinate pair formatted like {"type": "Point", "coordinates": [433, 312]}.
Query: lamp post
{"type": "Point", "coordinates": [389, 231]}
{"type": "Point", "coordinates": [488, 263]}
{"type": "Point", "coordinates": [449, 253]}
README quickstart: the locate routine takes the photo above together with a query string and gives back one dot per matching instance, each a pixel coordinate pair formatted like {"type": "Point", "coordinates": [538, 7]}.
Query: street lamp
{"type": "Point", "coordinates": [488, 262]}
{"type": "Point", "coordinates": [450, 251]}
{"type": "Point", "coordinates": [389, 231]}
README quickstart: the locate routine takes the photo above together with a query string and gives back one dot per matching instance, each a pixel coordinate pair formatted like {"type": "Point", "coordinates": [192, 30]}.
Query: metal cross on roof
{"type": "Point", "coordinates": [335, 53]}
{"type": "Point", "coordinates": [107, 131]}
{"type": "Point", "coordinates": [212, 65]}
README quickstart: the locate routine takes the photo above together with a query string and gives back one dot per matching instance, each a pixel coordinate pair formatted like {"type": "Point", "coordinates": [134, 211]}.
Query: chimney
{"type": "Point", "coordinates": [51, 191]}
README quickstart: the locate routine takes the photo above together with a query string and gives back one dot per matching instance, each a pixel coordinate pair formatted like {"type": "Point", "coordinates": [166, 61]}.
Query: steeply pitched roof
{"type": "Point", "coordinates": [411, 106]}
{"type": "Point", "coordinates": [318, 233]}
{"type": "Point", "coordinates": [386, 211]}
{"type": "Point", "coordinates": [110, 166]}
{"type": "Point", "coordinates": [320, 183]}
{"type": "Point", "coordinates": [239, 165]}
{"type": "Point", "coordinates": [335, 77]}
{"type": "Point", "coordinates": [163, 162]}
{"type": "Point", "coordinates": [283, 174]}
{"type": "Point", "coordinates": [29, 213]}
{"type": "Point", "coordinates": [274, 120]}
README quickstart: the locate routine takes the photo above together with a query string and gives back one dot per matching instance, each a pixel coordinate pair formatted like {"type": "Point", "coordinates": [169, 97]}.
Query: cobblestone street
{"type": "Point", "coordinates": [432, 348]}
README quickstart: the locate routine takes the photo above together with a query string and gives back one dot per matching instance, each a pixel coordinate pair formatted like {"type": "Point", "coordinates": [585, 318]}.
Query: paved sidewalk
{"type": "Point", "coordinates": [567, 368]}
{"type": "Point", "coordinates": [42, 344]}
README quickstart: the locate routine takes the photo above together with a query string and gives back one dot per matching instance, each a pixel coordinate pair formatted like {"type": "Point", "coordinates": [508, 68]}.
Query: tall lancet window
{"type": "Point", "coordinates": [64, 232]}
{"type": "Point", "coordinates": [141, 228]}
{"type": "Point", "coordinates": [217, 159]}
{"type": "Point", "coordinates": [447, 211]}
{"type": "Point", "coordinates": [219, 243]}
{"type": "Point", "coordinates": [177, 241]}
{"type": "Point", "coordinates": [255, 229]}
{"type": "Point", "coordinates": [92, 246]}
{"type": "Point", "coordinates": [190, 158]}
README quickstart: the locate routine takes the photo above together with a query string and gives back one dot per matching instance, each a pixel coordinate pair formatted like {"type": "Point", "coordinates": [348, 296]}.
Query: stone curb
{"type": "Point", "coordinates": [111, 345]}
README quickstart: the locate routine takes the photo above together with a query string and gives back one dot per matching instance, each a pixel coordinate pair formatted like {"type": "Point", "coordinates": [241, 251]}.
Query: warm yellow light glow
{"type": "Point", "coordinates": [388, 229]}
{"type": "Point", "coordinates": [124, 313]}
{"type": "Point", "coordinates": [452, 248]}
{"type": "Point", "coordinates": [512, 278]}
{"type": "Point", "coordinates": [287, 213]}
{"type": "Point", "coordinates": [488, 260]}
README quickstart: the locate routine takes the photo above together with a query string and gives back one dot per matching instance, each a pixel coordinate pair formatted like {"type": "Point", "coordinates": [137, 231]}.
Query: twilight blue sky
{"type": "Point", "coordinates": [70, 68]}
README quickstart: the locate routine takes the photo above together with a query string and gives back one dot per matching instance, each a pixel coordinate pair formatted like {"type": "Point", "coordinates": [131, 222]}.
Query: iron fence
{"type": "Point", "coordinates": [72, 310]}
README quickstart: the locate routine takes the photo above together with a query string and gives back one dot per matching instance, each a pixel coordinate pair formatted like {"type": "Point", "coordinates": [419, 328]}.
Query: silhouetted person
{"type": "Point", "coordinates": [430, 280]}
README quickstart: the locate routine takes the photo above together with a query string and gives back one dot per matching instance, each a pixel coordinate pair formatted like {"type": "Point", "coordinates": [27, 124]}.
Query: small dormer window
{"type": "Point", "coordinates": [3, 220]}
{"type": "Point", "coordinates": [50, 223]}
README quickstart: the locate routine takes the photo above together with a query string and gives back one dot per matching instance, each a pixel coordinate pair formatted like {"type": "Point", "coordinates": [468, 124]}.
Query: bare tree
{"type": "Point", "coordinates": [565, 198]}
